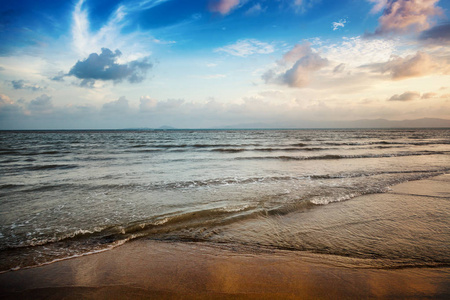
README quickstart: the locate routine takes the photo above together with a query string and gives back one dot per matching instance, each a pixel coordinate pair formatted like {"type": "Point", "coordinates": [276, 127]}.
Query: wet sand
{"type": "Point", "coordinates": [146, 269]}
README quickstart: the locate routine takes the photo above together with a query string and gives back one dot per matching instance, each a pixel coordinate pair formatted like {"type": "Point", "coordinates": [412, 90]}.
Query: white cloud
{"type": "Point", "coordinates": [356, 51]}
{"type": "Point", "coordinates": [214, 76]}
{"type": "Point", "coordinates": [119, 106]}
{"type": "Point", "coordinates": [255, 10]}
{"type": "Point", "coordinates": [147, 104]}
{"type": "Point", "coordinates": [303, 5]}
{"type": "Point", "coordinates": [341, 23]}
{"type": "Point", "coordinates": [247, 47]}
{"type": "Point", "coordinates": [134, 45]}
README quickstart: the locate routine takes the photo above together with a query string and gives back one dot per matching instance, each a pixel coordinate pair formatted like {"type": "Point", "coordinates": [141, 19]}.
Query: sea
{"type": "Point", "coordinates": [65, 194]}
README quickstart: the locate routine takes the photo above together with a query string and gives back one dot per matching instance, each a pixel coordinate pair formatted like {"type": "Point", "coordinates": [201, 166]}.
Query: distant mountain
{"type": "Point", "coordinates": [383, 123]}
{"type": "Point", "coordinates": [165, 127]}
{"type": "Point", "coordinates": [367, 123]}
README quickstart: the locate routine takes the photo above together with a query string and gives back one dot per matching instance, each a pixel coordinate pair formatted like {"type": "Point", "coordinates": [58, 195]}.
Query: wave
{"type": "Point", "coordinates": [160, 225]}
{"type": "Point", "coordinates": [34, 153]}
{"type": "Point", "coordinates": [194, 225]}
{"type": "Point", "coordinates": [190, 184]}
{"type": "Point", "coordinates": [288, 149]}
{"type": "Point", "coordinates": [10, 186]}
{"type": "Point", "coordinates": [170, 226]}
{"type": "Point", "coordinates": [212, 145]}
{"type": "Point", "coordinates": [339, 156]}
{"type": "Point", "coordinates": [165, 223]}
{"type": "Point", "coordinates": [427, 143]}
{"type": "Point", "coordinates": [50, 167]}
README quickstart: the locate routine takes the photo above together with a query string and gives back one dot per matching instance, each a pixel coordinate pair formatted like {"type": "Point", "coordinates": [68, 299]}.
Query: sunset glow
{"type": "Point", "coordinates": [216, 63]}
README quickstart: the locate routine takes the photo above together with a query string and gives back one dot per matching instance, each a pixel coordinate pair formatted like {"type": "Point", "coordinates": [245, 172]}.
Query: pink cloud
{"type": "Point", "coordinates": [303, 64]}
{"type": "Point", "coordinates": [405, 16]}
{"type": "Point", "coordinates": [417, 65]}
{"type": "Point", "coordinates": [223, 6]}
{"type": "Point", "coordinates": [299, 51]}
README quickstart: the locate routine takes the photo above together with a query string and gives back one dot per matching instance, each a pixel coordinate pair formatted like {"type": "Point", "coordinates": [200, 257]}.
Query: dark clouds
{"type": "Point", "coordinates": [24, 85]}
{"type": "Point", "coordinates": [104, 67]}
{"type": "Point", "coordinates": [87, 83]}
{"type": "Point", "coordinates": [406, 96]}
{"type": "Point", "coordinates": [59, 77]}
{"type": "Point", "coordinates": [439, 34]}
{"type": "Point", "coordinates": [42, 103]}
{"type": "Point", "coordinates": [339, 68]}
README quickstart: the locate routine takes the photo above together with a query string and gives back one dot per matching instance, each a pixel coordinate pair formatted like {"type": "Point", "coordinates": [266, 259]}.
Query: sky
{"type": "Point", "coordinates": [111, 64]}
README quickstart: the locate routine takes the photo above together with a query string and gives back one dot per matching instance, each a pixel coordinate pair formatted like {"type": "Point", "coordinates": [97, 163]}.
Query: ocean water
{"type": "Point", "coordinates": [71, 193]}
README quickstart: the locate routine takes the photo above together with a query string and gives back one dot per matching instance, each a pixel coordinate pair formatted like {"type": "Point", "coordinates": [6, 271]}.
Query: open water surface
{"type": "Point", "coordinates": [68, 193]}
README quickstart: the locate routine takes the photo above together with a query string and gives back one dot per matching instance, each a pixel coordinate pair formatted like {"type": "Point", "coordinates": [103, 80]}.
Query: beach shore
{"type": "Point", "coordinates": [146, 269]}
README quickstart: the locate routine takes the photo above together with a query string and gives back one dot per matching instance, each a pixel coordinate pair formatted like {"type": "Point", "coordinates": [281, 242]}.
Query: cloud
{"type": "Point", "coordinates": [59, 76]}
{"type": "Point", "coordinates": [42, 103]}
{"type": "Point", "coordinates": [299, 51]}
{"type": "Point", "coordinates": [406, 96]}
{"type": "Point", "coordinates": [112, 33]}
{"type": "Point", "coordinates": [306, 64]}
{"type": "Point", "coordinates": [24, 85]}
{"type": "Point", "coordinates": [5, 100]}
{"type": "Point", "coordinates": [147, 104]}
{"type": "Point", "coordinates": [222, 6]}
{"type": "Point", "coordinates": [247, 47]}
{"type": "Point", "coordinates": [356, 51]}
{"type": "Point", "coordinates": [170, 104]}
{"type": "Point", "coordinates": [87, 83]}
{"type": "Point", "coordinates": [213, 76]}
{"type": "Point", "coordinates": [255, 10]}
{"type": "Point", "coordinates": [417, 65]}
{"type": "Point", "coordinates": [303, 5]}
{"type": "Point", "coordinates": [405, 16]}
{"type": "Point", "coordinates": [339, 68]}
{"type": "Point", "coordinates": [429, 95]}
{"type": "Point", "coordinates": [341, 23]}
{"type": "Point", "coordinates": [117, 107]}
{"type": "Point", "coordinates": [437, 35]}
{"type": "Point", "coordinates": [379, 5]}
{"type": "Point", "coordinates": [104, 67]}
{"type": "Point", "coordinates": [299, 74]}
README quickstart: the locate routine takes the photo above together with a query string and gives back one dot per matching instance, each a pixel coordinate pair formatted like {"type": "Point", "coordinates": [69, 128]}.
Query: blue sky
{"type": "Point", "coordinates": [213, 63]}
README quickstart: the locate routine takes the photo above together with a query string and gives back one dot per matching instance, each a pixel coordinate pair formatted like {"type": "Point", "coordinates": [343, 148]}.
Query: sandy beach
{"type": "Point", "coordinates": [148, 269]}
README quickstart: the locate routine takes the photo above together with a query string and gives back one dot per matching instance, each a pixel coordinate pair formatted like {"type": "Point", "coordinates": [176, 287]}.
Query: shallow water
{"type": "Point", "coordinates": [67, 193]}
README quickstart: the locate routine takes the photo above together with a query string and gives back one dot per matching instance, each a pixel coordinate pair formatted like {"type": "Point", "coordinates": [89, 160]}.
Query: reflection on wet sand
{"type": "Point", "coordinates": [149, 269]}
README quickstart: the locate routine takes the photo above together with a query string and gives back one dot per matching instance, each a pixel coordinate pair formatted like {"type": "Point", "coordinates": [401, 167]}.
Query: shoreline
{"type": "Point", "coordinates": [148, 269]}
